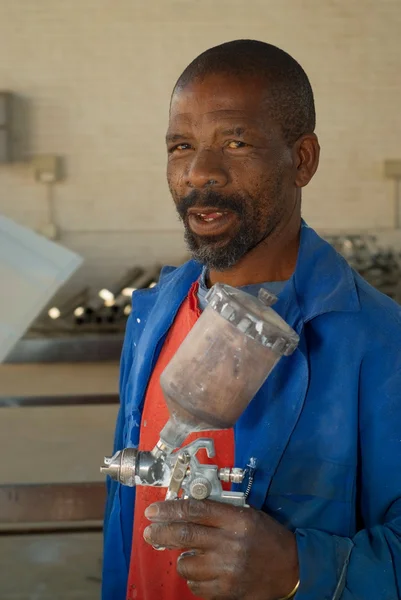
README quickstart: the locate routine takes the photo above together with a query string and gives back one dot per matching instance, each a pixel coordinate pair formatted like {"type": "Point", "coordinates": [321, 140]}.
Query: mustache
{"type": "Point", "coordinates": [211, 198]}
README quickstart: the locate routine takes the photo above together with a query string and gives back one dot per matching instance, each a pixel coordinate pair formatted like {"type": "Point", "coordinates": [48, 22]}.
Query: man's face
{"type": "Point", "coordinates": [230, 171]}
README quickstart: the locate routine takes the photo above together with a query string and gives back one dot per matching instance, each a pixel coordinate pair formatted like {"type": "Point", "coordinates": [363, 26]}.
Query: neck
{"type": "Point", "coordinates": [274, 259]}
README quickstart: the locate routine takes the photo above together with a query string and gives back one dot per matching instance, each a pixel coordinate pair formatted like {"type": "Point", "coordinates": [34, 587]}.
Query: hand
{"type": "Point", "coordinates": [237, 553]}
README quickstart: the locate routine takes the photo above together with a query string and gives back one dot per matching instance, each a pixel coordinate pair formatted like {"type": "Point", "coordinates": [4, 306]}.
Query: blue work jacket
{"type": "Point", "coordinates": [325, 428]}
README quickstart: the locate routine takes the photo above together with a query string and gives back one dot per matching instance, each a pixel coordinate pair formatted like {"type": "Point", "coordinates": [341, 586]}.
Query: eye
{"type": "Point", "coordinates": [179, 148]}
{"type": "Point", "coordinates": [235, 144]}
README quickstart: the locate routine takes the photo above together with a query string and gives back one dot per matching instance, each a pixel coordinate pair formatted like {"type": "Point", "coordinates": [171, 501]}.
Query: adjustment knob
{"type": "Point", "coordinates": [231, 475]}
{"type": "Point", "coordinates": [237, 475]}
{"type": "Point", "coordinates": [224, 474]}
{"type": "Point", "coordinates": [200, 488]}
{"type": "Point", "coordinates": [121, 466]}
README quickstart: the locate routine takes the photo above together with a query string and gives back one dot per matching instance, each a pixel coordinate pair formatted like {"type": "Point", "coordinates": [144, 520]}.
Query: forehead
{"type": "Point", "coordinates": [218, 98]}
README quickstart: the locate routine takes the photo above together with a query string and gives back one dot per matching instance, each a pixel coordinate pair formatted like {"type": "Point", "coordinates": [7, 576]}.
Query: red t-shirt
{"type": "Point", "coordinates": [152, 573]}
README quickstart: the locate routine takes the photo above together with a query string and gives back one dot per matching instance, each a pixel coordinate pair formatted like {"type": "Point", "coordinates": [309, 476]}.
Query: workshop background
{"type": "Point", "coordinates": [82, 162]}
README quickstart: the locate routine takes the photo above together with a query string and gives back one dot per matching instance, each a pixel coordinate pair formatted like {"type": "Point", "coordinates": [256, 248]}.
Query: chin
{"type": "Point", "coordinates": [209, 241]}
{"type": "Point", "coordinates": [217, 258]}
{"type": "Point", "coordinates": [217, 253]}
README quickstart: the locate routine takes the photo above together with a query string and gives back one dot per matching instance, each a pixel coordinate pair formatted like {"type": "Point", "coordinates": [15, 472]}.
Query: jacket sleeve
{"type": "Point", "coordinates": [125, 364]}
{"type": "Point", "coordinates": [368, 566]}
{"type": "Point", "coordinates": [115, 562]}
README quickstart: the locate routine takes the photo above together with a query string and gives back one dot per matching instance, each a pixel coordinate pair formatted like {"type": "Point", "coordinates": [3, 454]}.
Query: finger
{"type": "Point", "coordinates": [202, 512]}
{"type": "Point", "coordinates": [182, 535]}
{"type": "Point", "coordinates": [211, 566]}
{"type": "Point", "coordinates": [197, 567]}
{"type": "Point", "coordinates": [211, 590]}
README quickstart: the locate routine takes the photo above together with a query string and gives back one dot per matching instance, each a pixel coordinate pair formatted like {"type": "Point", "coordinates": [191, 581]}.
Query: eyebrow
{"type": "Point", "coordinates": [239, 131]}
{"type": "Point", "coordinates": [235, 131]}
{"type": "Point", "coordinates": [175, 137]}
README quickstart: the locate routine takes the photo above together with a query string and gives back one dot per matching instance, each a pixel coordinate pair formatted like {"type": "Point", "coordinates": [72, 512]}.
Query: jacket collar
{"type": "Point", "coordinates": [322, 282]}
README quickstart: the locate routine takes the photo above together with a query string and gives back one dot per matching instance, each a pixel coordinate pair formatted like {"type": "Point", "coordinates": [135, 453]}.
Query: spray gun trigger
{"type": "Point", "coordinates": [178, 474]}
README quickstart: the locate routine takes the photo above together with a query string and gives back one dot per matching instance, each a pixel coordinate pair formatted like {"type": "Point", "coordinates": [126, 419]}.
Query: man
{"type": "Point", "coordinates": [325, 507]}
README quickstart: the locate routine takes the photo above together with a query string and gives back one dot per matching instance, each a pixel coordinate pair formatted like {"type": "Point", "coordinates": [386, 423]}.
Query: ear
{"type": "Point", "coordinates": [307, 152]}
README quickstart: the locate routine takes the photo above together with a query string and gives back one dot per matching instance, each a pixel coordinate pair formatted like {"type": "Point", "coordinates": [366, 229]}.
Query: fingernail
{"type": "Point", "coordinates": [152, 511]}
{"type": "Point", "coordinates": [187, 553]}
{"type": "Point", "coordinates": [146, 533]}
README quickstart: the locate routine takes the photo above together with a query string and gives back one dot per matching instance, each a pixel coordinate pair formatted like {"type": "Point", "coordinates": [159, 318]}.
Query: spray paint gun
{"type": "Point", "coordinates": [209, 382]}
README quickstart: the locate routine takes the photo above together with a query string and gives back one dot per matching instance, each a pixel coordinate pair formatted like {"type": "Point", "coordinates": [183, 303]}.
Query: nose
{"type": "Point", "coordinates": [206, 170]}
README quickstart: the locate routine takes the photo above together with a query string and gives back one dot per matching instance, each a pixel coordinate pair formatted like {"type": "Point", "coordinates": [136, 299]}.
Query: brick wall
{"type": "Point", "coordinates": [93, 78]}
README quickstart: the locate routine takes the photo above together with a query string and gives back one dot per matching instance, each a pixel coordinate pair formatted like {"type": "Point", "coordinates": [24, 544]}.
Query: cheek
{"type": "Point", "coordinates": [170, 175]}
{"type": "Point", "coordinates": [244, 175]}
{"type": "Point", "coordinates": [175, 178]}
{"type": "Point", "coordinates": [254, 182]}
{"type": "Point", "coordinates": [252, 171]}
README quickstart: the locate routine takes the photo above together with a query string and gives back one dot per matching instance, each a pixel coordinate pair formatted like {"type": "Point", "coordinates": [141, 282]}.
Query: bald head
{"type": "Point", "coordinates": [290, 95]}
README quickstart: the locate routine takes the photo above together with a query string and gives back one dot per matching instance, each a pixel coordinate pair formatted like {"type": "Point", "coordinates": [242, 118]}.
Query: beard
{"type": "Point", "coordinates": [222, 252]}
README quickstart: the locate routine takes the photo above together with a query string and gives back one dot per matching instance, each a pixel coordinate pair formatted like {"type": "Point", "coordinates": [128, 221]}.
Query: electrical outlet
{"type": "Point", "coordinates": [3, 146]}
{"type": "Point", "coordinates": [49, 231]}
{"type": "Point", "coordinates": [392, 169]}
{"type": "Point", "coordinates": [5, 127]}
{"type": "Point", "coordinates": [46, 168]}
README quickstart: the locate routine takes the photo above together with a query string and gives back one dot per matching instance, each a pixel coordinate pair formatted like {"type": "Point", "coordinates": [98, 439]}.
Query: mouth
{"type": "Point", "coordinates": [210, 221]}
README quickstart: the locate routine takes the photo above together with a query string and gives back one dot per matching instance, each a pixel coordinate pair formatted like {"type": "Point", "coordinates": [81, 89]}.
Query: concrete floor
{"type": "Point", "coordinates": [54, 444]}
{"type": "Point", "coordinates": [50, 567]}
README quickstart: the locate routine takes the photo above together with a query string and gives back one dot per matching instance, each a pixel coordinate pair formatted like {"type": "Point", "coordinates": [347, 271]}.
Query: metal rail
{"type": "Point", "coordinates": [51, 502]}
{"type": "Point", "coordinates": [52, 507]}
{"type": "Point", "coordinates": [35, 401]}
{"type": "Point", "coordinates": [93, 347]}
{"type": "Point", "coordinates": [45, 530]}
